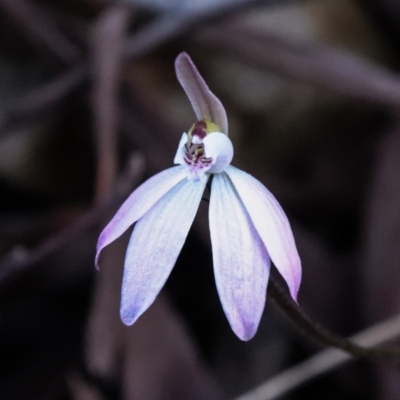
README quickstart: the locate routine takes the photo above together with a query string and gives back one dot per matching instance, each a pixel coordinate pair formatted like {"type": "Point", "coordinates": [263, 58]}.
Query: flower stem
{"type": "Point", "coordinates": [320, 334]}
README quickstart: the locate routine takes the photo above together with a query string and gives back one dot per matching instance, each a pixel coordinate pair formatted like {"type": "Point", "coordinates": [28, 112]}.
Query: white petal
{"type": "Point", "coordinates": [205, 104]}
{"type": "Point", "coordinates": [218, 147]}
{"type": "Point", "coordinates": [138, 203]}
{"type": "Point", "coordinates": [156, 242]}
{"type": "Point", "coordinates": [241, 261]}
{"type": "Point", "coordinates": [178, 159]}
{"type": "Point", "coordinates": [271, 224]}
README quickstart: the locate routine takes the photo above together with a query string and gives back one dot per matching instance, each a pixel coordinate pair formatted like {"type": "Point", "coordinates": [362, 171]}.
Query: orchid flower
{"type": "Point", "coordinates": [248, 227]}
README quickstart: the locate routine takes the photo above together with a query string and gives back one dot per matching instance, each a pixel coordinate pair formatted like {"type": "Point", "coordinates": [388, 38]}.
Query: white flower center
{"type": "Point", "coordinates": [202, 151]}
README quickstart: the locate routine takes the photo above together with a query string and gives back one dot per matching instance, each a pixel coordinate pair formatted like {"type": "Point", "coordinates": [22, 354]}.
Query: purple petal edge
{"type": "Point", "coordinates": [137, 204]}
{"type": "Point", "coordinates": [272, 225]}
{"type": "Point", "coordinates": [155, 244]}
{"type": "Point", "coordinates": [240, 258]}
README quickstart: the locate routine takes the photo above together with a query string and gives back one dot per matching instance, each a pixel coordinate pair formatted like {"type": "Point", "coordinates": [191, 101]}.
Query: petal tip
{"type": "Point", "coordinates": [182, 63]}
{"type": "Point", "coordinates": [293, 294]}
{"type": "Point", "coordinates": [128, 317]}
{"type": "Point", "coordinates": [96, 262]}
{"type": "Point", "coordinates": [245, 329]}
{"type": "Point", "coordinates": [296, 281]}
{"type": "Point", "coordinates": [98, 252]}
{"type": "Point", "coordinates": [182, 56]}
{"type": "Point", "coordinates": [246, 332]}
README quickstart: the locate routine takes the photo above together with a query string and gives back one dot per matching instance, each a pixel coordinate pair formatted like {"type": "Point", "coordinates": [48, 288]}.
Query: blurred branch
{"type": "Point", "coordinates": [323, 362]}
{"type": "Point", "coordinates": [153, 35]}
{"type": "Point", "coordinates": [386, 13]}
{"type": "Point", "coordinates": [320, 334]}
{"type": "Point", "coordinates": [332, 69]}
{"type": "Point", "coordinates": [168, 27]}
{"type": "Point", "coordinates": [15, 264]}
{"type": "Point", "coordinates": [107, 39]}
{"type": "Point", "coordinates": [44, 97]}
{"type": "Point", "coordinates": [154, 135]}
{"type": "Point", "coordinates": [39, 27]}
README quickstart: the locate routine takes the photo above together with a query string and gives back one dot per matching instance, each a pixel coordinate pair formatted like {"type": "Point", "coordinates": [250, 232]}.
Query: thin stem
{"type": "Point", "coordinates": [314, 330]}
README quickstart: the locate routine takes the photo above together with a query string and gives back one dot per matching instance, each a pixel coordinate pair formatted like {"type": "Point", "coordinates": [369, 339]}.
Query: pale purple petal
{"type": "Point", "coordinates": [205, 104]}
{"type": "Point", "coordinates": [138, 203]}
{"type": "Point", "coordinates": [156, 242]}
{"type": "Point", "coordinates": [271, 224]}
{"type": "Point", "coordinates": [241, 261]}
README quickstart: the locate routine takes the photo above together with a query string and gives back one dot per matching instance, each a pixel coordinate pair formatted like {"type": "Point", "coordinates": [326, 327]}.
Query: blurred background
{"type": "Point", "coordinates": [90, 107]}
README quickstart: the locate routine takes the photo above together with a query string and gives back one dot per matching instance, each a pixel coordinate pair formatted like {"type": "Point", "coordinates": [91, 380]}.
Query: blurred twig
{"type": "Point", "coordinates": [332, 69]}
{"type": "Point", "coordinates": [44, 97]}
{"type": "Point", "coordinates": [107, 42]}
{"type": "Point", "coordinates": [323, 362]}
{"type": "Point", "coordinates": [153, 134]}
{"type": "Point", "coordinates": [40, 27]}
{"type": "Point", "coordinates": [13, 265]}
{"type": "Point", "coordinates": [150, 37]}
{"type": "Point", "coordinates": [328, 68]}
{"type": "Point", "coordinates": [167, 27]}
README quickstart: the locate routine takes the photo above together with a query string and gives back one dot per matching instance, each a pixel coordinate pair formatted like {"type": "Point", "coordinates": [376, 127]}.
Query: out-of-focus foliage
{"type": "Point", "coordinates": [312, 96]}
